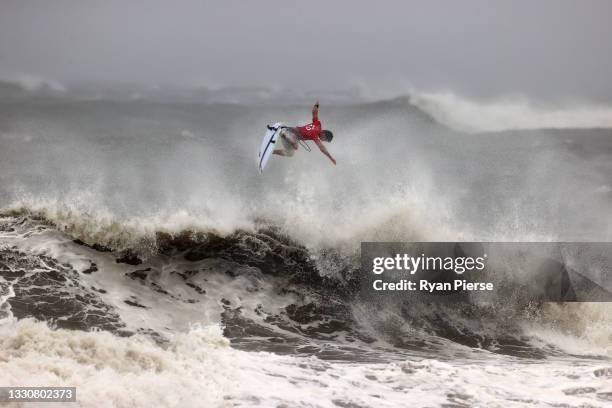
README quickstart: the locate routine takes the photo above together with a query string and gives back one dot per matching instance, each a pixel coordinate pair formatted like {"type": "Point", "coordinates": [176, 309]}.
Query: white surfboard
{"type": "Point", "coordinates": [268, 145]}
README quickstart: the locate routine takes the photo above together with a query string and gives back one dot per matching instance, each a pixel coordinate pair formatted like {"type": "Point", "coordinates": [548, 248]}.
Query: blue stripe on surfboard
{"type": "Point", "coordinates": [266, 149]}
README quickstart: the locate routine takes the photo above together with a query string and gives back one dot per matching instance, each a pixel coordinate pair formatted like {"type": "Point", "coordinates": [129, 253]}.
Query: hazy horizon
{"type": "Point", "coordinates": [549, 50]}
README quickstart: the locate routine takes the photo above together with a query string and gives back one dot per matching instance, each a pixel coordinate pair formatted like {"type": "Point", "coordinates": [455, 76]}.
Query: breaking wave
{"type": "Point", "coordinates": [267, 257]}
{"type": "Point", "coordinates": [512, 113]}
{"type": "Point", "coordinates": [149, 256]}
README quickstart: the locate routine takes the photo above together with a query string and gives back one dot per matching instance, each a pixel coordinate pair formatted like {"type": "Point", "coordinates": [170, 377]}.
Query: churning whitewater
{"type": "Point", "coordinates": [139, 246]}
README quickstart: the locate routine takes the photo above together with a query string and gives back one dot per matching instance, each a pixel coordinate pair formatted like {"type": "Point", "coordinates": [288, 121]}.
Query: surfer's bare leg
{"type": "Point", "coordinates": [289, 140]}
{"type": "Point", "coordinates": [289, 146]}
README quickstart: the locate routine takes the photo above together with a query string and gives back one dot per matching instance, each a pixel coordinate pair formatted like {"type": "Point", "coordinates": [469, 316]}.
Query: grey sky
{"type": "Point", "coordinates": [541, 48]}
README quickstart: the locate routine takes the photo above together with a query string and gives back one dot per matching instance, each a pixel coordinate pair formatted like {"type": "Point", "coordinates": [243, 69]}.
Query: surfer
{"type": "Point", "coordinates": [312, 131]}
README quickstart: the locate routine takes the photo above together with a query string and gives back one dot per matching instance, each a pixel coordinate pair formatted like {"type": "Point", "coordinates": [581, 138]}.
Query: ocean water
{"type": "Point", "coordinates": [145, 261]}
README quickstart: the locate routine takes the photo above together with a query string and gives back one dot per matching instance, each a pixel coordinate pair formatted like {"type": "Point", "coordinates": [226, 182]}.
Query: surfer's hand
{"type": "Point", "coordinates": [333, 160]}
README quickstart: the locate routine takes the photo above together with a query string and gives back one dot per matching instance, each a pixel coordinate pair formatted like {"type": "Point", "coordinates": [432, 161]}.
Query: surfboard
{"type": "Point", "coordinates": [267, 145]}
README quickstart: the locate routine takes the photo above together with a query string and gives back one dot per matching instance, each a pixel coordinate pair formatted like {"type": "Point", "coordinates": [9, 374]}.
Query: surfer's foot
{"type": "Point", "coordinates": [279, 152]}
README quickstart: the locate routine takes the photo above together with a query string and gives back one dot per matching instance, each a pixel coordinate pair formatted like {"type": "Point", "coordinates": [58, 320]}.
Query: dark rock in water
{"type": "Point", "coordinates": [135, 304]}
{"type": "Point", "coordinates": [129, 258]}
{"type": "Point", "coordinates": [92, 268]}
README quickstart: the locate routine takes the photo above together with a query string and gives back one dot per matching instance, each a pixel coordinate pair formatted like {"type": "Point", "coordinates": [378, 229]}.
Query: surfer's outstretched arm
{"type": "Point", "coordinates": [324, 151]}
{"type": "Point", "coordinates": [315, 112]}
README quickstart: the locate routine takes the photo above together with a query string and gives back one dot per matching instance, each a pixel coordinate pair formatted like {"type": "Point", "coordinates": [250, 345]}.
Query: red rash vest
{"type": "Point", "coordinates": [311, 131]}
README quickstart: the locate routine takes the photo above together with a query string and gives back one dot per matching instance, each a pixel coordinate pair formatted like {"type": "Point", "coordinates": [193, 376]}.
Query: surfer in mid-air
{"type": "Point", "coordinates": [312, 131]}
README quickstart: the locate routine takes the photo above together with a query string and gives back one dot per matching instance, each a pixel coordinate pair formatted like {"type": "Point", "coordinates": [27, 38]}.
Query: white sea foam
{"type": "Point", "coordinates": [112, 371]}
{"type": "Point", "coordinates": [577, 328]}
{"type": "Point", "coordinates": [510, 113]}
{"type": "Point", "coordinates": [197, 368]}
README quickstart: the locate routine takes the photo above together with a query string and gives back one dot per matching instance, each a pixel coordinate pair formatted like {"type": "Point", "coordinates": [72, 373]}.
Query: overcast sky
{"type": "Point", "coordinates": [540, 48]}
